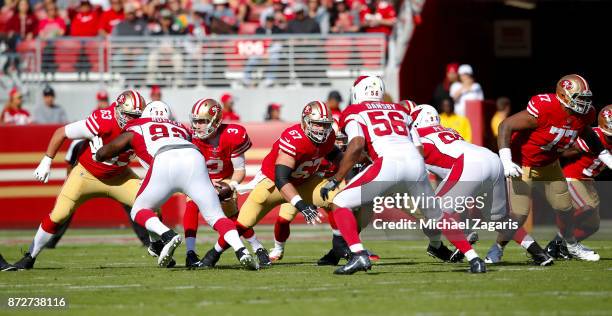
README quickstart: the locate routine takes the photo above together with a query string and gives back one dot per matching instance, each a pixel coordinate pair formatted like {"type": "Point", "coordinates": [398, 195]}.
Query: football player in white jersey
{"type": "Point", "coordinates": [174, 165]}
{"type": "Point", "coordinates": [382, 130]}
{"type": "Point", "coordinates": [466, 170]}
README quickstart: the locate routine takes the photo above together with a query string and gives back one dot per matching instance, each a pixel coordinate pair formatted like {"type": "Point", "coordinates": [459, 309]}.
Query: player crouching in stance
{"type": "Point", "coordinates": [174, 165]}
{"type": "Point", "coordinates": [581, 169]}
{"type": "Point", "coordinates": [382, 130]}
{"type": "Point", "coordinates": [534, 138]}
{"type": "Point", "coordinates": [223, 147]}
{"type": "Point", "coordinates": [90, 178]}
{"type": "Point", "coordinates": [466, 170]}
{"type": "Point", "coordinates": [288, 174]}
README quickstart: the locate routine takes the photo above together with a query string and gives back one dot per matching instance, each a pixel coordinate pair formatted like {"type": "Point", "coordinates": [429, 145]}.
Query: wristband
{"type": "Point", "coordinates": [505, 154]}
{"type": "Point", "coordinates": [295, 200]}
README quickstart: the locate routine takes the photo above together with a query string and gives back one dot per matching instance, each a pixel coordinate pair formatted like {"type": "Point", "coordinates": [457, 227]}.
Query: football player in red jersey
{"type": "Point", "coordinates": [223, 146]}
{"type": "Point", "coordinates": [289, 174]}
{"type": "Point", "coordinates": [173, 165]}
{"type": "Point", "coordinates": [580, 171]}
{"type": "Point", "coordinates": [530, 143]}
{"type": "Point", "coordinates": [89, 178]}
{"type": "Point", "coordinates": [381, 129]}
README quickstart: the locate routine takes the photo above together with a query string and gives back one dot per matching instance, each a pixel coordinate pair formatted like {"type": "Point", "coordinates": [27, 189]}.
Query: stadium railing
{"type": "Point", "coordinates": [183, 61]}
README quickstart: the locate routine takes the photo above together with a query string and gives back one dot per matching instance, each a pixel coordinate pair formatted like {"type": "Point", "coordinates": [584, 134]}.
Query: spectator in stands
{"type": "Point", "coordinates": [378, 17]}
{"type": "Point", "coordinates": [102, 100]}
{"type": "Point", "coordinates": [465, 89]}
{"type": "Point", "coordinates": [53, 25]}
{"type": "Point", "coordinates": [343, 20]}
{"type": "Point", "coordinates": [166, 55]}
{"type": "Point", "coordinates": [442, 91]}
{"type": "Point", "coordinates": [86, 21]}
{"type": "Point", "coordinates": [167, 25]}
{"type": "Point", "coordinates": [504, 106]}
{"type": "Point", "coordinates": [179, 13]}
{"type": "Point", "coordinates": [334, 98]}
{"type": "Point", "coordinates": [302, 23]}
{"type": "Point", "coordinates": [131, 25]}
{"type": "Point", "coordinates": [49, 112]}
{"type": "Point", "coordinates": [273, 113]}
{"type": "Point", "coordinates": [111, 17]}
{"type": "Point", "coordinates": [23, 24]}
{"type": "Point", "coordinates": [273, 56]}
{"type": "Point", "coordinates": [228, 108]}
{"type": "Point", "coordinates": [223, 19]}
{"type": "Point", "coordinates": [319, 13]}
{"type": "Point", "coordinates": [241, 9]}
{"type": "Point", "coordinates": [198, 26]}
{"type": "Point", "coordinates": [449, 118]}
{"type": "Point", "coordinates": [12, 113]}
{"type": "Point", "coordinates": [156, 93]}
{"type": "Point", "coordinates": [269, 27]}
{"type": "Point", "coordinates": [280, 11]}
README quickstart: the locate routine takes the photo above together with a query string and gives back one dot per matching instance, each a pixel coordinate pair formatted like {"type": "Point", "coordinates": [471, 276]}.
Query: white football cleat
{"type": "Point", "coordinates": [165, 256]}
{"type": "Point", "coordinates": [580, 252]}
{"type": "Point", "coordinates": [276, 254]}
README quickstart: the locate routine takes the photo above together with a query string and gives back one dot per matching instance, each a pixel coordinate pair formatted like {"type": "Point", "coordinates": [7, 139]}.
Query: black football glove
{"type": "Point", "coordinates": [310, 212]}
{"type": "Point", "coordinates": [331, 185]}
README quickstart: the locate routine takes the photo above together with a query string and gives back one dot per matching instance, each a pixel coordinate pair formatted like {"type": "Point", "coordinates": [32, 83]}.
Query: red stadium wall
{"type": "Point", "coordinates": [24, 202]}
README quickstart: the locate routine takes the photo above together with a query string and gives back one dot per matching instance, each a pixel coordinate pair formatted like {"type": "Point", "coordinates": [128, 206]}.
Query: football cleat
{"type": "Point", "coordinates": [495, 254]}
{"type": "Point", "coordinates": [581, 252]}
{"type": "Point", "coordinates": [457, 255]}
{"type": "Point", "coordinates": [191, 260]}
{"type": "Point", "coordinates": [541, 258]}
{"type": "Point", "coordinates": [171, 241]}
{"type": "Point", "coordinates": [25, 263]}
{"type": "Point", "coordinates": [442, 252]}
{"type": "Point", "coordinates": [263, 257]}
{"type": "Point", "coordinates": [5, 266]}
{"type": "Point", "coordinates": [155, 248]}
{"type": "Point", "coordinates": [477, 266]}
{"type": "Point", "coordinates": [246, 260]}
{"type": "Point", "coordinates": [557, 249]}
{"type": "Point", "coordinates": [372, 256]}
{"type": "Point", "coordinates": [276, 254]}
{"type": "Point", "coordinates": [359, 262]}
{"type": "Point", "coordinates": [341, 248]}
{"type": "Point", "coordinates": [329, 259]}
{"type": "Point", "coordinates": [210, 259]}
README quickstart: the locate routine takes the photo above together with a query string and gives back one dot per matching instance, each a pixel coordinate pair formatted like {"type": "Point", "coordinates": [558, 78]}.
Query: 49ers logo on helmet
{"type": "Point", "coordinates": [121, 99]}
{"type": "Point", "coordinates": [307, 111]}
{"type": "Point", "coordinates": [567, 85]}
{"type": "Point", "coordinates": [607, 114]}
{"type": "Point", "coordinates": [213, 110]}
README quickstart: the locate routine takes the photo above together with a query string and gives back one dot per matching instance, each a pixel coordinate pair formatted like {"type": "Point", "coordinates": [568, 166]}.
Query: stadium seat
{"type": "Point", "coordinates": [248, 28]}
{"type": "Point", "coordinates": [338, 51]}
{"type": "Point", "coordinates": [66, 54]}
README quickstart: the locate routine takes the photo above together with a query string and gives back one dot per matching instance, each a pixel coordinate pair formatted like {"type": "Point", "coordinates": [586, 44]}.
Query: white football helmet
{"type": "Point", "coordinates": [424, 115]}
{"type": "Point", "coordinates": [157, 110]}
{"type": "Point", "coordinates": [367, 88]}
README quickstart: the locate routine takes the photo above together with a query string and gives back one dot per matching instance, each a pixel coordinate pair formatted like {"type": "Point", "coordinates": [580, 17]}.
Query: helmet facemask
{"type": "Point", "coordinates": [318, 130]}
{"type": "Point", "coordinates": [123, 117]}
{"type": "Point", "coordinates": [205, 127]}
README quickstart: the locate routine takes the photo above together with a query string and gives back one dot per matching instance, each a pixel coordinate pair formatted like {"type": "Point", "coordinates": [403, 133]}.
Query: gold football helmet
{"type": "Point", "coordinates": [128, 106]}
{"type": "Point", "coordinates": [605, 120]}
{"type": "Point", "coordinates": [317, 121]}
{"type": "Point", "coordinates": [206, 115]}
{"type": "Point", "coordinates": [574, 93]}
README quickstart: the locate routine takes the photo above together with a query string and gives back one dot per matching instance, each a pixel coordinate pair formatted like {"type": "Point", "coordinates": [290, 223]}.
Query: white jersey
{"type": "Point", "coordinates": [385, 127]}
{"type": "Point", "coordinates": [151, 134]}
{"type": "Point", "coordinates": [442, 147]}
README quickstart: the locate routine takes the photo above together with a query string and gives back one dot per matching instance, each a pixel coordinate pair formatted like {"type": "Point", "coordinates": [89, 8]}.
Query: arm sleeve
{"type": "Point", "coordinates": [238, 162]}
{"type": "Point", "coordinates": [78, 130]}
{"type": "Point", "coordinates": [415, 137]}
{"type": "Point", "coordinates": [353, 129]}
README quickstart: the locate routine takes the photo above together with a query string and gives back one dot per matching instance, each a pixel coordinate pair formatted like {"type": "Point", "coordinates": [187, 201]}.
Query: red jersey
{"type": "Point", "coordinates": [85, 24]}
{"type": "Point", "coordinates": [557, 130]}
{"type": "Point", "coordinates": [384, 11]}
{"type": "Point", "coordinates": [151, 134]}
{"type": "Point", "coordinates": [103, 123]}
{"type": "Point", "coordinates": [16, 117]}
{"type": "Point", "coordinates": [308, 156]}
{"type": "Point", "coordinates": [109, 19]}
{"type": "Point", "coordinates": [233, 141]}
{"type": "Point", "coordinates": [587, 164]}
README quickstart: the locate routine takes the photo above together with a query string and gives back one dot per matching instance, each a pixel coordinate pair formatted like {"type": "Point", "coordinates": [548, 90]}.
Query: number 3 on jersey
{"type": "Point", "coordinates": [560, 133]}
{"type": "Point", "coordinates": [388, 123]}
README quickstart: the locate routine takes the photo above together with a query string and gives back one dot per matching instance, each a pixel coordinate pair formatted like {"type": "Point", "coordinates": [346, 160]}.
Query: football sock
{"type": "Point", "coordinates": [190, 224]}
{"type": "Point", "coordinates": [45, 232]}
{"type": "Point", "coordinates": [255, 243]}
{"type": "Point", "coordinates": [148, 219]}
{"type": "Point", "coordinates": [190, 243]}
{"type": "Point", "coordinates": [471, 254]}
{"type": "Point", "coordinates": [282, 229]}
{"type": "Point", "coordinates": [279, 245]}
{"type": "Point", "coordinates": [348, 227]}
{"type": "Point", "coordinates": [226, 228]}
{"type": "Point", "coordinates": [455, 236]}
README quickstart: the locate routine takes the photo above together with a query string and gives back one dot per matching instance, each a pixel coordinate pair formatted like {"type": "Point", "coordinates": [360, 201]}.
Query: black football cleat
{"type": "Point", "coordinates": [246, 260]}
{"type": "Point", "coordinates": [539, 257]}
{"type": "Point", "coordinates": [155, 248]}
{"type": "Point", "coordinates": [341, 248]}
{"type": "Point", "coordinates": [457, 255]}
{"type": "Point", "coordinates": [557, 249]}
{"type": "Point", "coordinates": [210, 259]}
{"type": "Point", "coordinates": [5, 266]}
{"type": "Point", "coordinates": [442, 253]}
{"type": "Point", "coordinates": [477, 266]}
{"type": "Point", "coordinates": [191, 260]}
{"type": "Point", "coordinates": [329, 259]}
{"type": "Point", "coordinates": [25, 263]}
{"type": "Point", "coordinates": [263, 257]}
{"type": "Point", "coordinates": [359, 261]}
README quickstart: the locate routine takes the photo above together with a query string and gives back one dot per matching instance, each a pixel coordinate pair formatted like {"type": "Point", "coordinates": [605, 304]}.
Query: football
{"type": "Point", "coordinates": [224, 191]}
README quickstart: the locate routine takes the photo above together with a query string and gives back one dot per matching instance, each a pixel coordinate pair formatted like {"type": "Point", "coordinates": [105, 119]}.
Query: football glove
{"type": "Point", "coordinates": [43, 170]}
{"type": "Point", "coordinates": [606, 158]}
{"type": "Point", "coordinates": [310, 212]}
{"type": "Point", "coordinates": [510, 168]}
{"type": "Point", "coordinates": [95, 144]}
{"type": "Point", "coordinates": [331, 185]}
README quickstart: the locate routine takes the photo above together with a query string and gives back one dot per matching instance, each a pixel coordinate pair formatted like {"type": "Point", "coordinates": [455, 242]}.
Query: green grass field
{"type": "Point", "coordinates": [105, 272]}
